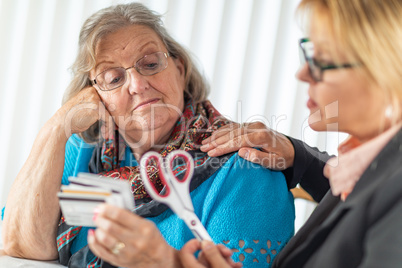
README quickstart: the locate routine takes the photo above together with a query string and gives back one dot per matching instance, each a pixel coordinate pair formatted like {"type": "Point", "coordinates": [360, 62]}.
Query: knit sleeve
{"type": "Point", "coordinates": [77, 156]}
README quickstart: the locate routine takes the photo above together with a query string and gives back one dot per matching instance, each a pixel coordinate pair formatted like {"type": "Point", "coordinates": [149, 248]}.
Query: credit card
{"type": "Point", "coordinates": [85, 192]}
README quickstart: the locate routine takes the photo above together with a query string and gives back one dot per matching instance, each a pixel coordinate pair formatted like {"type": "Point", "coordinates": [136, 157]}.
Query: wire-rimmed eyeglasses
{"type": "Point", "coordinates": [116, 77]}
{"type": "Point", "coordinates": [315, 67]}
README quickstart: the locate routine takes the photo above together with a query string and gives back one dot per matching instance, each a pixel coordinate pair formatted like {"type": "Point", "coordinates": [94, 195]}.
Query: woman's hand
{"type": "Point", "coordinates": [125, 239]}
{"type": "Point", "coordinates": [214, 256]}
{"type": "Point", "coordinates": [276, 150]}
{"type": "Point", "coordinates": [82, 111]}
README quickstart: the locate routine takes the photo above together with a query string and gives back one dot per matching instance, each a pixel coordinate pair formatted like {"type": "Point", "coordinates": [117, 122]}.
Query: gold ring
{"type": "Point", "coordinates": [117, 247]}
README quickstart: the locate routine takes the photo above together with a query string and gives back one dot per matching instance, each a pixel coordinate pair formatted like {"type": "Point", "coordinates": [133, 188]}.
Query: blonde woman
{"type": "Point", "coordinates": [353, 65]}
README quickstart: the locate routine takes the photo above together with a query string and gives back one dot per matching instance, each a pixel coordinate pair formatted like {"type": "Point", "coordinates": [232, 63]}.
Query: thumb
{"type": "Point", "coordinates": [264, 159]}
{"type": "Point", "coordinates": [186, 254]}
{"type": "Point", "coordinates": [213, 255]}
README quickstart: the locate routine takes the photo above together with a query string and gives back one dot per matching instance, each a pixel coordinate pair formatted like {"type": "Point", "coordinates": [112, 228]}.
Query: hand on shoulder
{"type": "Point", "coordinates": [255, 142]}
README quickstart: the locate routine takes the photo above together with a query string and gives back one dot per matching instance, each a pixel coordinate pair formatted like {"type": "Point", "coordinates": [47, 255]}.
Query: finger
{"type": "Point", "coordinates": [186, 254]}
{"type": "Point", "coordinates": [225, 251]}
{"type": "Point", "coordinates": [230, 144]}
{"type": "Point", "coordinates": [98, 249]}
{"type": "Point", "coordinates": [267, 160]}
{"type": "Point", "coordinates": [256, 138]}
{"type": "Point", "coordinates": [237, 138]}
{"type": "Point", "coordinates": [221, 132]}
{"type": "Point", "coordinates": [237, 128]}
{"type": "Point", "coordinates": [105, 239]}
{"type": "Point", "coordinates": [121, 216]}
{"type": "Point", "coordinates": [234, 264]}
{"type": "Point", "coordinates": [202, 260]}
{"type": "Point", "coordinates": [124, 224]}
{"type": "Point", "coordinates": [115, 221]}
{"type": "Point", "coordinates": [109, 228]}
{"type": "Point", "coordinates": [224, 149]}
{"type": "Point", "coordinates": [222, 135]}
{"type": "Point", "coordinates": [213, 255]}
{"type": "Point", "coordinates": [227, 254]}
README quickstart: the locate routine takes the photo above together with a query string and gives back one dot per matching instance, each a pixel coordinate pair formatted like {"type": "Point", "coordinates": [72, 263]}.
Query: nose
{"type": "Point", "coordinates": [136, 83]}
{"type": "Point", "coordinates": [303, 74]}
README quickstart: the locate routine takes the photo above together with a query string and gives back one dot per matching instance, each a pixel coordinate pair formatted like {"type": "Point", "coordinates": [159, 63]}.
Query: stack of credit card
{"type": "Point", "coordinates": [85, 192]}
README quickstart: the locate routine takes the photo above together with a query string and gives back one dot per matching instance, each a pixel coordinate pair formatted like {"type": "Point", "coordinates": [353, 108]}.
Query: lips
{"type": "Point", "coordinates": [146, 103]}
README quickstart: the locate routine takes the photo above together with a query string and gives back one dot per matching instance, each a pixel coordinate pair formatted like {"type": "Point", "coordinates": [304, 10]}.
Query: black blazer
{"type": "Point", "coordinates": [363, 231]}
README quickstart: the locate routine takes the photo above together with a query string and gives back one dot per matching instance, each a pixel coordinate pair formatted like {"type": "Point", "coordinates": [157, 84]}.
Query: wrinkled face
{"type": "Point", "coordinates": [344, 100]}
{"type": "Point", "coordinates": [143, 103]}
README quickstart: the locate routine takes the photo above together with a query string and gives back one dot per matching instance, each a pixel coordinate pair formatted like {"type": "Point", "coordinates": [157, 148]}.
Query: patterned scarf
{"type": "Point", "coordinates": [196, 123]}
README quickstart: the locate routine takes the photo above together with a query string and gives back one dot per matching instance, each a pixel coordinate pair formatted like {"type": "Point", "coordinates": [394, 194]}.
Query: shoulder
{"type": "Point", "coordinates": [249, 200]}
{"type": "Point", "coordinates": [385, 172]}
{"type": "Point", "coordinates": [246, 177]}
{"type": "Point", "coordinates": [238, 166]}
{"type": "Point", "coordinates": [388, 193]}
{"type": "Point", "coordinates": [384, 225]}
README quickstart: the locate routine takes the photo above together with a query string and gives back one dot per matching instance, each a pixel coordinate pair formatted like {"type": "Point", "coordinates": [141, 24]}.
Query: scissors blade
{"type": "Point", "coordinates": [182, 195]}
{"type": "Point", "coordinates": [195, 225]}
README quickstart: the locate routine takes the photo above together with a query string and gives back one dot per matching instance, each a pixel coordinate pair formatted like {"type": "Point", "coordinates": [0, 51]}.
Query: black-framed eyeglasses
{"type": "Point", "coordinates": [116, 77]}
{"type": "Point", "coordinates": [315, 67]}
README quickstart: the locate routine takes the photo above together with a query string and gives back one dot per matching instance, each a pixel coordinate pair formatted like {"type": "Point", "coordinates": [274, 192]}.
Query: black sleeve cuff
{"type": "Point", "coordinates": [307, 170]}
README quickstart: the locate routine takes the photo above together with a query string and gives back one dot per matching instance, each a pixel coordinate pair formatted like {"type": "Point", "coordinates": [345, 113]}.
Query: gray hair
{"type": "Point", "coordinates": [111, 19]}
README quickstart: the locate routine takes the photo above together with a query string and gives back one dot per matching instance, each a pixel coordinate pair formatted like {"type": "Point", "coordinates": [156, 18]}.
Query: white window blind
{"type": "Point", "coordinates": [247, 50]}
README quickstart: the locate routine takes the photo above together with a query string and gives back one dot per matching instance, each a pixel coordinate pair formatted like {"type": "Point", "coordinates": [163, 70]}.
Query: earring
{"type": "Point", "coordinates": [388, 112]}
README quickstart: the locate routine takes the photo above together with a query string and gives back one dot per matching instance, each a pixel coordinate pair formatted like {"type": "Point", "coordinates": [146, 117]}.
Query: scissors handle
{"type": "Point", "coordinates": [147, 182]}
{"type": "Point", "coordinates": [196, 227]}
{"type": "Point", "coordinates": [181, 187]}
{"type": "Point", "coordinates": [189, 163]}
{"type": "Point", "coordinates": [177, 195]}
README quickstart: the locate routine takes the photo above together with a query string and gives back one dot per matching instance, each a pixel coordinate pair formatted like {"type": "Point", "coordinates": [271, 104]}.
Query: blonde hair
{"type": "Point", "coordinates": [110, 20]}
{"type": "Point", "coordinates": [369, 32]}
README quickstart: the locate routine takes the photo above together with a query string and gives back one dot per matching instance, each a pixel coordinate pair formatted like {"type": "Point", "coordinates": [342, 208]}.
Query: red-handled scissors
{"type": "Point", "coordinates": [177, 192]}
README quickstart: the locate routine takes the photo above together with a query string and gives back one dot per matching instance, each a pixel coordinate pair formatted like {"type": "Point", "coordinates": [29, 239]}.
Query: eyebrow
{"type": "Point", "coordinates": [100, 63]}
{"type": "Point", "coordinates": [146, 44]}
{"type": "Point", "coordinates": [139, 50]}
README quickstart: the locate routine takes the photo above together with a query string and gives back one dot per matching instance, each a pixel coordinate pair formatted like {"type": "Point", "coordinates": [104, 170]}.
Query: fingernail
{"type": "Point", "coordinates": [98, 209]}
{"type": "Point", "coordinates": [204, 147]}
{"type": "Point", "coordinates": [96, 213]}
{"type": "Point", "coordinates": [228, 251]}
{"type": "Point", "coordinates": [244, 153]}
{"type": "Point", "coordinates": [91, 232]}
{"type": "Point", "coordinates": [95, 216]}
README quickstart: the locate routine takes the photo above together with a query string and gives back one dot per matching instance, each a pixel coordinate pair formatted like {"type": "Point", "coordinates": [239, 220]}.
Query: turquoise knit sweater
{"type": "Point", "coordinates": [242, 205]}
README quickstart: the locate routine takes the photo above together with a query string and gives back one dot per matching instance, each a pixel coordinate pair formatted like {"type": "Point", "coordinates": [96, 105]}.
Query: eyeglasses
{"type": "Point", "coordinates": [315, 67]}
{"type": "Point", "coordinates": [116, 77]}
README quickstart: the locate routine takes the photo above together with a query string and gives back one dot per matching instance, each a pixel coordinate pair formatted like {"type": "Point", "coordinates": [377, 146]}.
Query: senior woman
{"type": "Point", "coordinates": [135, 89]}
{"type": "Point", "coordinates": [353, 58]}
